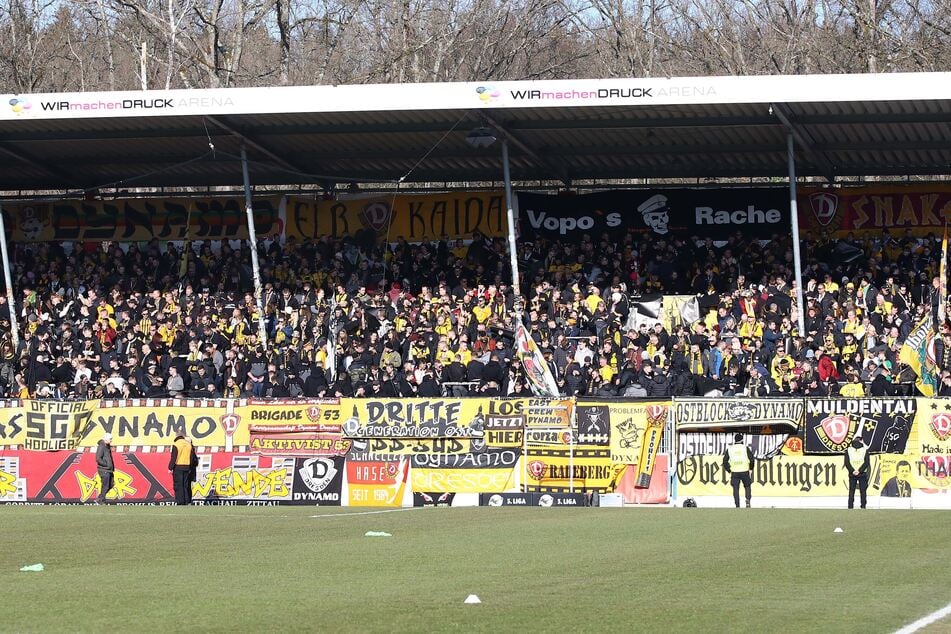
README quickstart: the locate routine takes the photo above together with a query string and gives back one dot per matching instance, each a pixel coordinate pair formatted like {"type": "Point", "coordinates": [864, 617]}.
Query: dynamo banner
{"type": "Point", "coordinates": [883, 424]}
{"type": "Point", "coordinates": [759, 415]}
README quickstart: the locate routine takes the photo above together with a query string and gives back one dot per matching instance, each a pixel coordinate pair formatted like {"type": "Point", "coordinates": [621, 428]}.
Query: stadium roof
{"type": "Point", "coordinates": [844, 125]}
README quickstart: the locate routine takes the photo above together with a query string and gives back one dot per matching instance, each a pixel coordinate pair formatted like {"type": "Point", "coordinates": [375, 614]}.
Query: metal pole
{"type": "Point", "coordinates": [513, 255]}
{"type": "Point", "coordinates": [794, 221]}
{"type": "Point", "coordinates": [253, 239]}
{"type": "Point", "coordinates": [11, 298]}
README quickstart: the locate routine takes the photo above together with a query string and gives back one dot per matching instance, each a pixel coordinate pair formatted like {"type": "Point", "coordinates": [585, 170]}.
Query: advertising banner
{"type": "Point", "coordinates": [142, 219]}
{"type": "Point", "coordinates": [420, 218]}
{"type": "Point", "coordinates": [532, 499]}
{"type": "Point", "coordinates": [882, 423]}
{"type": "Point", "coordinates": [762, 415]}
{"type": "Point", "coordinates": [657, 213]}
{"type": "Point", "coordinates": [779, 476]}
{"type": "Point", "coordinates": [859, 210]}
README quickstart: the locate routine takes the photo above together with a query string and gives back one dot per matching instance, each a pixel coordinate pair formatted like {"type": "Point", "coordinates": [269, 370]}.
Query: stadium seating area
{"type": "Point", "coordinates": [432, 319]}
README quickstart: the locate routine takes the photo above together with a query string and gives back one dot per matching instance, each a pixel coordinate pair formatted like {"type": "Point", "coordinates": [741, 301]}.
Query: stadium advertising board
{"type": "Point", "coordinates": [765, 415]}
{"type": "Point", "coordinates": [142, 219]}
{"type": "Point", "coordinates": [883, 424]}
{"type": "Point", "coordinates": [658, 213]}
{"type": "Point", "coordinates": [422, 218]}
{"type": "Point", "coordinates": [922, 209]}
{"type": "Point", "coordinates": [532, 499]}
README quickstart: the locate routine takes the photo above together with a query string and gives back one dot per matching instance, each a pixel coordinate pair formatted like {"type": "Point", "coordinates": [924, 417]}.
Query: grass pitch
{"type": "Point", "coordinates": [234, 569]}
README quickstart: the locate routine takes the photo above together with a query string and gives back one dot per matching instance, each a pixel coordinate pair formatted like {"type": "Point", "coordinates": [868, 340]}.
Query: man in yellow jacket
{"type": "Point", "coordinates": [182, 464]}
{"type": "Point", "coordinates": [738, 462]}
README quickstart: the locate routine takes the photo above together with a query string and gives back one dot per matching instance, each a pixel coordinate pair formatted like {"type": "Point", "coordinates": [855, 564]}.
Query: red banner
{"type": "Point", "coordinates": [920, 208]}
{"type": "Point", "coordinates": [658, 492]}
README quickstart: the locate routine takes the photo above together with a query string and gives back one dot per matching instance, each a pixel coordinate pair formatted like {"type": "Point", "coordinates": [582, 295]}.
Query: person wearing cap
{"type": "Point", "coordinates": [105, 466]}
{"type": "Point", "coordinates": [182, 463]}
{"type": "Point", "coordinates": [858, 466]}
{"type": "Point", "coordinates": [738, 462]}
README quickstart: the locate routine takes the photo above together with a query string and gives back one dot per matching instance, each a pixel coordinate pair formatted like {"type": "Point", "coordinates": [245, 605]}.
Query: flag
{"type": "Point", "coordinates": [918, 353]}
{"type": "Point", "coordinates": [943, 281]}
{"type": "Point", "coordinates": [332, 342]}
{"type": "Point", "coordinates": [646, 309]}
{"type": "Point", "coordinates": [537, 373]}
{"type": "Point", "coordinates": [183, 265]}
{"type": "Point", "coordinates": [690, 311]}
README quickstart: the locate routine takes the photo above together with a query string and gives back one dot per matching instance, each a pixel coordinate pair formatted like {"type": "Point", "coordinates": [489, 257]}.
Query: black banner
{"type": "Point", "coordinates": [715, 213]}
{"type": "Point", "coordinates": [532, 499]}
{"type": "Point", "coordinates": [318, 481]}
{"type": "Point", "coordinates": [882, 423]}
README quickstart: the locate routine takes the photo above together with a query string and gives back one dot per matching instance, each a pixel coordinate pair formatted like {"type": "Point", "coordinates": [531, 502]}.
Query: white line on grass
{"type": "Point", "coordinates": [333, 515]}
{"type": "Point", "coordinates": [925, 621]}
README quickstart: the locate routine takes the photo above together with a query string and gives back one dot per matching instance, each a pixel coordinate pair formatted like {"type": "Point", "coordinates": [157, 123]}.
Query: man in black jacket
{"type": "Point", "coordinates": [105, 466]}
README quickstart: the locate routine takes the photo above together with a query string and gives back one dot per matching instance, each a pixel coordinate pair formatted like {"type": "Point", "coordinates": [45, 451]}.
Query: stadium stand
{"type": "Point", "coordinates": [430, 319]}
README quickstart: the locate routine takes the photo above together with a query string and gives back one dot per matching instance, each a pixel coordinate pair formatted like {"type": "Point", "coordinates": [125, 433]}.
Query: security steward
{"type": "Point", "coordinates": [857, 464]}
{"type": "Point", "coordinates": [183, 465]}
{"type": "Point", "coordinates": [738, 462]}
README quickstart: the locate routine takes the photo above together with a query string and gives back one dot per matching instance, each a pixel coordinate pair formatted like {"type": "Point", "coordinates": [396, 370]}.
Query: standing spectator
{"type": "Point", "coordinates": [105, 466]}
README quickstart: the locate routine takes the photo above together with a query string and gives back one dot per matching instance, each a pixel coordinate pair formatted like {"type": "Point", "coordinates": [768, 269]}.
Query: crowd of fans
{"type": "Point", "coordinates": [125, 321]}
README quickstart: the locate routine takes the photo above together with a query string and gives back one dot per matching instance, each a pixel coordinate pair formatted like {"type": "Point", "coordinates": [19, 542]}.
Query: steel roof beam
{"type": "Point", "coordinates": [804, 139]}
{"type": "Point", "coordinates": [251, 141]}
{"type": "Point", "coordinates": [557, 167]}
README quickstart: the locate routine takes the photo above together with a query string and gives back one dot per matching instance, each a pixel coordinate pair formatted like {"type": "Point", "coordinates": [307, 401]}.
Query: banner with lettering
{"type": "Point", "coordinates": [928, 451]}
{"type": "Point", "coordinates": [759, 415]}
{"type": "Point", "coordinates": [376, 482]}
{"type": "Point", "coordinates": [656, 213]}
{"type": "Point", "coordinates": [883, 424]}
{"type": "Point", "coordinates": [779, 476]}
{"type": "Point", "coordinates": [923, 209]}
{"type": "Point", "coordinates": [419, 218]}
{"type": "Point", "coordinates": [70, 477]}
{"type": "Point", "coordinates": [715, 444]}
{"type": "Point", "coordinates": [142, 219]}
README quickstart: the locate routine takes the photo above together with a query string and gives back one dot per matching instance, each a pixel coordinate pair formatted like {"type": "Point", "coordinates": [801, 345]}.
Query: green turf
{"type": "Point", "coordinates": [277, 569]}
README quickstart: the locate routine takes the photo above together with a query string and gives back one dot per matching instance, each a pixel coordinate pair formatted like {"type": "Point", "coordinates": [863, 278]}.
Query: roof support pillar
{"type": "Point", "coordinates": [794, 221]}
{"type": "Point", "coordinates": [253, 240]}
{"type": "Point", "coordinates": [7, 278]}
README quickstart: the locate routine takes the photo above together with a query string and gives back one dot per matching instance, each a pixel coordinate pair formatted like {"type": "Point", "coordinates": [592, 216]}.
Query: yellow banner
{"type": "Point", "coordinates": [143, 219]}
{"type": "Point", "coordinates": [54, 426]}
{"type": "Point", "coordinates": [453, 215]}
{"type": "Point", "coordinates": [582, 468]}
{"type": "Point", "coordinates": [781, 476]}
{"type": "Point", "coordinates": [926, 463]}
{"type": "Point", "coordinates": [446, 480]}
